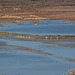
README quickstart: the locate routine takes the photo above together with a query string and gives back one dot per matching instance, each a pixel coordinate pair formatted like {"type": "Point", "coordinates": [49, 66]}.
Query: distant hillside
{"type": "Point", "coordinates": [37, 3]}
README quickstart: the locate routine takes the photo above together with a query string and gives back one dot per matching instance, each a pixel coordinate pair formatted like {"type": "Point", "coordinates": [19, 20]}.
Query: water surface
{"type": "Point", "coordinates": [16, 60]}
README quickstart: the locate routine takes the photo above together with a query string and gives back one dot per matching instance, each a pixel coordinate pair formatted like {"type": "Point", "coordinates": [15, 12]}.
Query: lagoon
{"type": "Point", "coordinates": [37, 56]}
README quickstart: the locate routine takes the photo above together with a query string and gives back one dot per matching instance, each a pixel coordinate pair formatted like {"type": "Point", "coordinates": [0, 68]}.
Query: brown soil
{"type": "Point", "coordinates": [68, 58]}
{"type": "Point", "coordinates": [39, 36]}
{"type": "Point", "coordinates": [38, 13]}
{"type": "Point", "coordinates": [25, 48]}
{"type": "Point", "coordinates": [36, 3]}
{"type": "Point", "coordinates": [52, 42]}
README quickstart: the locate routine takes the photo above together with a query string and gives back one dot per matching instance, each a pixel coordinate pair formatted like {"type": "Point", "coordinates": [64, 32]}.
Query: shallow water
{"type": "Point", "coordinates": [31, 57]}
{"type": "Point", "coordinates": [44, 27]}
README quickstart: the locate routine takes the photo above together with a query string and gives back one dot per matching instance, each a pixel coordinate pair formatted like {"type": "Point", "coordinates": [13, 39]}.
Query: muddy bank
{"type": "Point", "coordinates": [39, 36]}
{"type": "Point", "coordinates": [25, 48]}
{"type": "Point", "coordinates": [68, 58]}
{"type": "Point", "coordinates": [38, 13]}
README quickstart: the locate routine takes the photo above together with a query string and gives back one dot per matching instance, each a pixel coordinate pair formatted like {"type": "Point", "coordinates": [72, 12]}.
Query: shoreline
{"type": "Point", "coordinates": [25, 36]}
{"type": "Point", "coordinates": [36, 13]}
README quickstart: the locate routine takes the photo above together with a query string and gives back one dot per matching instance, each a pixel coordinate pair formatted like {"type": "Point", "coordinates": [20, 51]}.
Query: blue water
{"type": "Point", "coordinates": [42, 29]}
{"type": "Point", "coordinates": [17, 61]}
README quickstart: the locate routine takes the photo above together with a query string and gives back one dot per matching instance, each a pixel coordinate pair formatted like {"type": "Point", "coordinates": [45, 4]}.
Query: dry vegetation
{"type": "Point", "coordinates": [70, 72]}
{"type": "Point", "coordinates": [36, 3]}
{"type": "Point", "coordinates": [36, 13]}
{"type": "Point", "coordinates": [37, 9]}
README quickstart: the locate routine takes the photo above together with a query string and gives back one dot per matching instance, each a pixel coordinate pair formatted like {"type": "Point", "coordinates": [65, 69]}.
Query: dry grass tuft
{"type": "Point", "coordinates": [70, 72]}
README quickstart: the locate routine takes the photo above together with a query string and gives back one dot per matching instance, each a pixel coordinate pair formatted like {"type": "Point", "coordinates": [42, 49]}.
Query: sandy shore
{"type": "Point", "coordinates": [38, 13]}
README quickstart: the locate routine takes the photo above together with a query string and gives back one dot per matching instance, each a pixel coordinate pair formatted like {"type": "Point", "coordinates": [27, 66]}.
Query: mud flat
{"type": "Point", "coordinates": [39, 36]}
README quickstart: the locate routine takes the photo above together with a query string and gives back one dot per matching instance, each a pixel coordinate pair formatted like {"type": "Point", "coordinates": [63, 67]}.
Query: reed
{"type": "Point", "coordinates": [70, 72]}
